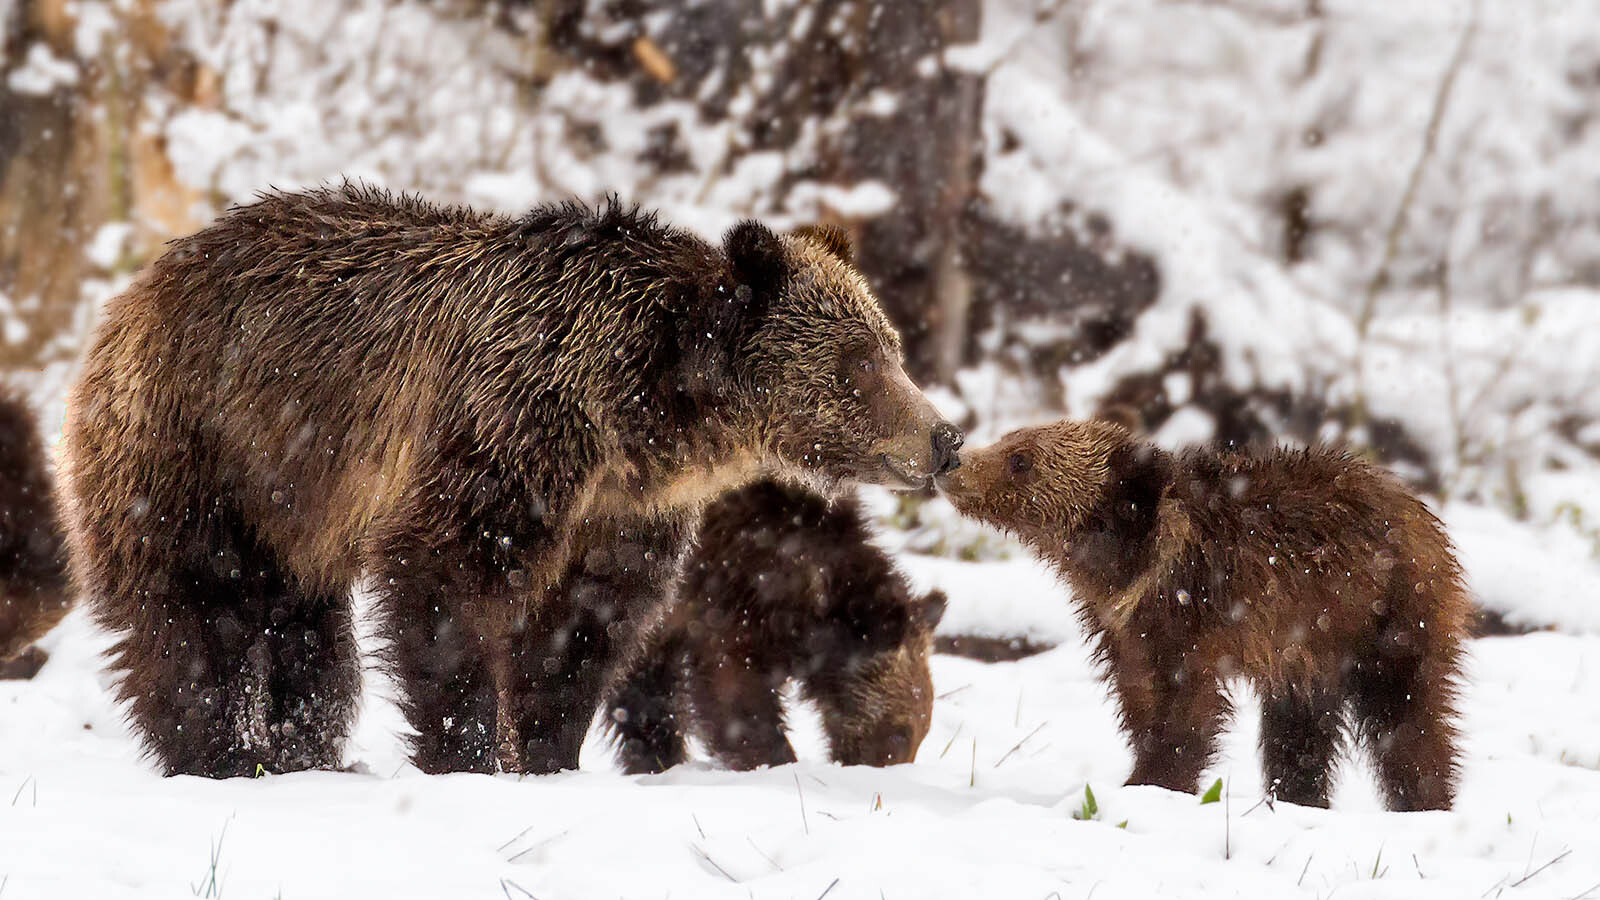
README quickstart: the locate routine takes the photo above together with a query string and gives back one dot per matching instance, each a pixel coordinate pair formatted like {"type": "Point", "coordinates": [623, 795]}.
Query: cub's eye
{"type": "Point", "coordinates": [1019, 464]}
{"type": "Point", "coordinates": [866, 365]}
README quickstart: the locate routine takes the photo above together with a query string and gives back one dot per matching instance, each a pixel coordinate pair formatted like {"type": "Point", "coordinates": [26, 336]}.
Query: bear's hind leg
{"type": "Point", "coordinates": [1301, 734]}
{"type": "Point", "coordinates": [739, 714]}
{"type": "Point", "coordinates": [1405, 710]}
{"type": "Point", "coordinates": [229, 665]}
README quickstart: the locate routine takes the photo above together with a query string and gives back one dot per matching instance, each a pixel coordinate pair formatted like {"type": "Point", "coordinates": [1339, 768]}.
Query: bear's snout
{"type": "Point", "coordinates": [947, 440]}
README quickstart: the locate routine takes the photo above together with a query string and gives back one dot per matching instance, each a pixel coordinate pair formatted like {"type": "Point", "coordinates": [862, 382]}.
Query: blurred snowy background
{"type": "Point", "coordinates": [1236, 219]}
{"type": "Point", "coordinates": [1365, 221]}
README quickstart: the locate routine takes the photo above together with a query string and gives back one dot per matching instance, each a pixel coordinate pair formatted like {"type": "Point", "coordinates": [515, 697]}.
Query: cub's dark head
{"type": "Point", "coordinates": [808, 337]}
{"type": "Point", "coordinates": [878, 713]}
{"type": "Point", "coordinates": [1041, 483]}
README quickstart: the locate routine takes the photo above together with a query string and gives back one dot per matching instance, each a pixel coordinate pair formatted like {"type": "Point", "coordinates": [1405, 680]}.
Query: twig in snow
{"type": "Point", "coordinates": [1306, 868]}
{"type": "Point", "coordinates": [1531, 847]}
{"type": "Point", "coordinates": [972, 780]}
{"type": "Point", "coordinates": [951, 693]}
{"type": "Point", "coordinates": [1419, 867]}
{"type": "Point", "coordinates": [697, 826]}
{"type": "Point", "coordinates": [514, 840]}
{"type": "Point", "coordinates": [1375, 862]}
{"type": "Point", "coordinates": [537, 845]}
{"type": "Point", "coordinates": [1579, 896]}
{"type": "Point", "coordinates": [1227, 822]}
{"type": "Point", "coordinates": [763, 853]}
{"type": "Point", "coordinates": [1555, 859]}
{"type": "Point", "coordinates": [953, 735]}
{"type": "Point", "coordinates": [1018, 745]}
{"type": "Point", "coordinates": [707, 857]}
{"type": "Point", "coordinates": [798, 793]}
{"type": "Point", "coordinates": [828, 889]}
{"type": "Point", "coordinates": [208, 881]}
{"type": "Point", "coordinates": [504, 882]}
{"type": "Point", "coordinates": [18, 795]}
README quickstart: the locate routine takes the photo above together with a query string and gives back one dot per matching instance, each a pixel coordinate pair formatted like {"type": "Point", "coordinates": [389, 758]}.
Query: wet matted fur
{"type": "Point", "coordinates": [784, 583]}
{"type": "Point", "coordinates": [1313, 574]}
{"type": "Point", "coordinates": [34, 592]}
{"type": "Point", "coordinates": [508, 425]}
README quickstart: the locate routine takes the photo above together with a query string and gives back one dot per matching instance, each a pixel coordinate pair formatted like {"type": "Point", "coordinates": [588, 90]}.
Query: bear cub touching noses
{"type": "Point", "coordinates": [784, 584]}
{"type": "Point", "coordinates": [1311, 573]}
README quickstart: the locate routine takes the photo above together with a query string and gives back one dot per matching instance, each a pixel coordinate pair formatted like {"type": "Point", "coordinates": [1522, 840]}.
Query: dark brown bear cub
{"type": "Point", "coordinates": [506, 426]}
{"type": "Point", "coordinates": [1313, 574]}
{"type": "Point", "coordinates": [34, 593]}
{"type": "Point", "coordinates": [784, 584]}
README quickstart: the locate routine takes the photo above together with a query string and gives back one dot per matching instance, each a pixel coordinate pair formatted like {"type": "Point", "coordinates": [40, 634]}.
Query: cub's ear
{"type": "Point", "coordinates": [831, 238]}
{"type": "Point", "coordinates": [757, 257]}
{"type": "Point", "coordinates": [931, 610]}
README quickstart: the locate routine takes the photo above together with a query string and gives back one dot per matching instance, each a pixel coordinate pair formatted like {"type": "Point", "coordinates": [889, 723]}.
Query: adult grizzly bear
{"type": "Point", "coordinates": [783, 583]}
{"type": "Point", "coordinates": [34, 592]}
{"type": "Point", "coordinates": [506, 426]}
{"type": "Point", "coordinates": [1311, 573]}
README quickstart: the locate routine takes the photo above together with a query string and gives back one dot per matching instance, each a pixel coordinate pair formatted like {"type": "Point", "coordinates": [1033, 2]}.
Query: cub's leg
{"type": "Point", "coordinates": [738, 711]}
{"type": "Point", "coordinates": [644, 715]}
{"type": "Point", "coordinates": [1405, 715]}
{"type": "Point", "coordinates": [584, 632]}
{"type": "Point", "coordinates": [24, 665]}
{"type": "Point", "coordinates": [1172, 711]}
{"type": "Point", "coordinates": [1302, 732]}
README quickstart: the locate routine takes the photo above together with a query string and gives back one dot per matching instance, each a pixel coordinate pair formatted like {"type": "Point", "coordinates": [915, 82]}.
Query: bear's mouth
{"type": "Point", "coordinates": [906, 479]}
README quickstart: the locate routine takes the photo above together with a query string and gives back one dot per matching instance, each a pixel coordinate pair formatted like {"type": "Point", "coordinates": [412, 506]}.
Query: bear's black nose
{"type": "Point", "coordinates": [946, 441]}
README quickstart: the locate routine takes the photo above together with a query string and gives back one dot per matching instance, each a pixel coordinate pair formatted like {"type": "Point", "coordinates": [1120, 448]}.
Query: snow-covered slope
{"type": "Point", "coordinates": [986, 811]}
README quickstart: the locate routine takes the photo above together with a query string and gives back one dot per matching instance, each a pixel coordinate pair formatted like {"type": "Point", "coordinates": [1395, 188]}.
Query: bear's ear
{"type": "Point", "coordinates": [831, 238]}
{"type": "Point", "coordinates": [712, 333]}
{"type": "Point", "coordinates": [757, 257]}
{"type": "Point", "coordinates": [931, 610]}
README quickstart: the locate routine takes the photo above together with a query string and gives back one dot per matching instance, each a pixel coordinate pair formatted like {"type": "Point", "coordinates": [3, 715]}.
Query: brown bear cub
{"type": "Point", "coordinates": [783, 584]}
{"type": "Point", "coordinates": [506, 427]}
{"type": "Point", "coordinates": [34, 592]}
{"type": "Point", "coordinates": [1313, 574]}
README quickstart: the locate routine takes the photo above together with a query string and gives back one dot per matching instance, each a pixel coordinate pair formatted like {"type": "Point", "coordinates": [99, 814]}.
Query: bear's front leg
{"type": "Point", "coordinates": [426, 598]}
{"type": "Point", "coordinates": [1172, 709]}
{"type": "Point", "coordinates": [583, 631]}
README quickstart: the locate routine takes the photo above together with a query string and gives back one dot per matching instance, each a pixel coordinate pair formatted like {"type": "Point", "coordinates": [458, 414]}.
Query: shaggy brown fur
{"type": "Point", "coordinates": [783, 584]}
{"type": "Point", "coordinates": [507, 425]}
{"type": "Point", "coordinates": [1313, 574]}
{"type": "Point", "coordinates": [34, 593]}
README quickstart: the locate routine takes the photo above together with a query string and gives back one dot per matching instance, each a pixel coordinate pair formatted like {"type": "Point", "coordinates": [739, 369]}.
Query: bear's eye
{"type": "Point", "coordinates": [1019, 464]}
{"type": "Point", "coordinates": [866, 365]}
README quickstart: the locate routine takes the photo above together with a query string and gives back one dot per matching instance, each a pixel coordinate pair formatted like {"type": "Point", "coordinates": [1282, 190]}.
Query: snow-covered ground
{"type": "Point", "coordinates": [986, 811]}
